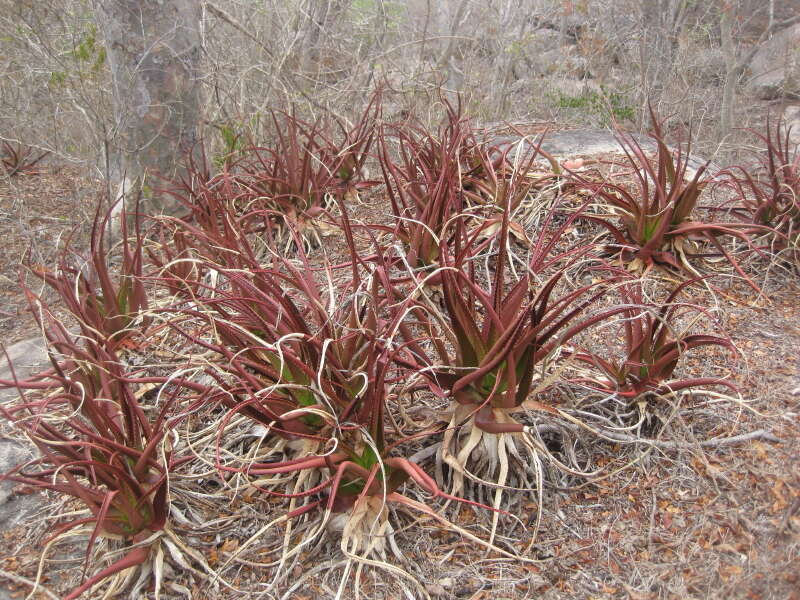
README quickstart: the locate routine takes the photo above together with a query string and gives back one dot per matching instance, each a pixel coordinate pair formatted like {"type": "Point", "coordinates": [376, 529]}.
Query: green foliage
{"type": "Point", "coordinates": [232, 144]}
{"type": "Point", "coordinates": [57, 78]}
{"type": "Point", "coordinates": [100, 60]}
{"type": "Point", "coordinates": [85, 48]}
{"type": "Point", "coordinates": [89, 51]}
{"type": "Point", "coordinates": [607, 105]}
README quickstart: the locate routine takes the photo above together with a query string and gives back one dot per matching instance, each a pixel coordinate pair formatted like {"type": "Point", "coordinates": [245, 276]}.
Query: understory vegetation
{"type": "Point", "coordinates": [467, 343]}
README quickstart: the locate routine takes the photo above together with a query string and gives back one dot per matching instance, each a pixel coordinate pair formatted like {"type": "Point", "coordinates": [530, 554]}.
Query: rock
{"type": "Point", "coordinates": [11, 455]}
{"type": "Point", "coordinates": [703, 65]}
{"type": "Point", "coordinates": [791, 116]}
{"type": "Point", "coordinates": [14, 509]}
{"type": "Point", "coordinates": [588, 142]}
{"type": "Point", "coordinates": [581, 142]}
{"type": "Point", "coordinates": [27, 357]}
{"type": "Point", "coordinates": [775, 68]}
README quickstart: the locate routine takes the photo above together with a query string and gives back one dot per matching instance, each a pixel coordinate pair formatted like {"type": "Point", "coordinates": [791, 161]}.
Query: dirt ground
{"type": "Point", "coordinates": [690, 520]}
{"type": "Point", "coordinates": [39, 213]}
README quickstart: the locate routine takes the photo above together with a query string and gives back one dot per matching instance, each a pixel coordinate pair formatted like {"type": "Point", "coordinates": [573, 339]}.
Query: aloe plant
{"type": "Point", "coordinates": [97, 443]}
{"type": "Point", "coordinates": [115, 309]}
{"type": "Point", "coordinates": [18, 158]}
{"type": "Point", "coordinates": [317, 362]}
{"type": "Point", "coordinates": [423, 183]}
{"type": "Point", "coordinates": [769, 195]}
{"type": "Point", "coordinates": [657, 217]}
{"type": "Point", "coordinates": [503, 334]}
{"type": "Point", "coordinates": [653, 349]}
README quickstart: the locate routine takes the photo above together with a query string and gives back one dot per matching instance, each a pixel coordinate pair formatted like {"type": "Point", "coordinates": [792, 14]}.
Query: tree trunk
{"type": "Point", "coordinates": [154, 51]}
{"type": "Point", "coordinates": [729, 51]}
{"type": "Point", "coordinates": [323, 16]}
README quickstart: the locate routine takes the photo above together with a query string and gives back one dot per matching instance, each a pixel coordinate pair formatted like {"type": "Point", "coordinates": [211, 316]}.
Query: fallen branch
{"type": "Point", "coordinates": [25, 581]}
{"type": "Point", "coordinates": [759, 434]}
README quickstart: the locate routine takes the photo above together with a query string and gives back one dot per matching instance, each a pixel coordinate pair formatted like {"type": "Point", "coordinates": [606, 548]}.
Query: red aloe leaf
{"type": "Point", "coordinates": [100, 519]}
{"type": "Point", "coordinates": [135, 557]}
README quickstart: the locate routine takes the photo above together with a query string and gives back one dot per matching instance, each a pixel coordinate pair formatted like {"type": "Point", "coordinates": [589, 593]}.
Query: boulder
{"type": "Point", "coordinates": [546, 51]}
{"type": "Point", "coordinates": [791, 116]}
{"type": "Point", "coordinates": [577, 142]}
{"type": "Point", "coordinates": [571, 144]}
{"type": "Point", "coordinates": [15, 508]}
{"type": "Point", "coordinates": [27, 357]}
{"type": "Point", "coordinates": [11, 455]}
{"type": "Point", "coordinates": [775, 68]}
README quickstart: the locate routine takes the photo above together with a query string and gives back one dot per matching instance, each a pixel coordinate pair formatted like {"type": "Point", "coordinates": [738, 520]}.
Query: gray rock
{"type": "Point", "coordinates": [587, 142]}
{"type": "Point", "coordinates": [580, 142]}
{"type": "Point", "coordinates": [11, 455]}
{"type": "Point", "coordinates": [14, 509]}
{"type": "Point", "coordinates": [791, 116]}
{"type": "Point", "coordinates": [703, 65]}
{"type": "Point", "coordinates": [775, 68]}
{"type": "Point", "coordinates": [27, 357]}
